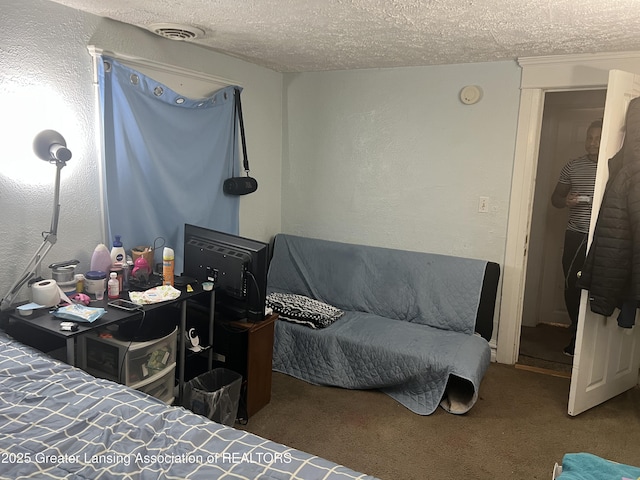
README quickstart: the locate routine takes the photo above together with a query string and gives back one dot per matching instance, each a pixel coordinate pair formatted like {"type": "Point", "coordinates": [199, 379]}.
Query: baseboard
{"type": "Point", "coordinates": [544, 371]}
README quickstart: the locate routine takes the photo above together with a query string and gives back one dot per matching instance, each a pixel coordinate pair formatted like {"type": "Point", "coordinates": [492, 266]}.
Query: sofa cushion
{"type": "Point", "coordinates": [419, 366]}
{"type": "Point", "coordinates": [430, 289]}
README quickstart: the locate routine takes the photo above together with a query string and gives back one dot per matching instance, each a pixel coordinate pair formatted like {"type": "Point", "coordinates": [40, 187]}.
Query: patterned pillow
{"type": "Point", "coordinates": [303, 310]}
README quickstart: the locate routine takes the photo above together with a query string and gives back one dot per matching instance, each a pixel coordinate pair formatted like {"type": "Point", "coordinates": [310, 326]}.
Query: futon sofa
{"type": "Point", "coordinates": [414, 325]}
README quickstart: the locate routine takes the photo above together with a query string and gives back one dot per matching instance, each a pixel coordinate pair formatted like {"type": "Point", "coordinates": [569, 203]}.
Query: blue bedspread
{"type": "Point", "coordinates": [408, 326]}
{"type": "Point", "coordinates": [57, 421]}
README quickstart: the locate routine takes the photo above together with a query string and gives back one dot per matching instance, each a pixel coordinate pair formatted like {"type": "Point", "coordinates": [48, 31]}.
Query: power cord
{"type": "Point", "coordinates": [257, 289]}
{"type": "Point", "coordinates": [573, 260]}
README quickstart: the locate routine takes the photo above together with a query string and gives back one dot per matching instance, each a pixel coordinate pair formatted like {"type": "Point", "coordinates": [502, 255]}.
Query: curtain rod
{"type": "Point", "coordinates": [134, 61]}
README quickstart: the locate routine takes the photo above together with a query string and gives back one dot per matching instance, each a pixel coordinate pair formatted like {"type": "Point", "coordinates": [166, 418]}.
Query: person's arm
{"type": "Point", "coordinates": [563, 197]}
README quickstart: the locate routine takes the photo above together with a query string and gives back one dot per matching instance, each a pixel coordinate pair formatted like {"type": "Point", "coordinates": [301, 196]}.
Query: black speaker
{"type": "Point", "coordinates": [240, 185]}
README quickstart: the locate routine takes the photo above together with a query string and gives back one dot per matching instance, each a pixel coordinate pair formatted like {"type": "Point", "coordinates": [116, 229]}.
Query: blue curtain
{"type": "Point", "coordinates": [166, 158]}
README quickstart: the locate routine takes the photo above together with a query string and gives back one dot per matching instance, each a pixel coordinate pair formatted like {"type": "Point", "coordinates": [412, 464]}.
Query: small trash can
{"type": "Point", "coordinates": [215, 395]}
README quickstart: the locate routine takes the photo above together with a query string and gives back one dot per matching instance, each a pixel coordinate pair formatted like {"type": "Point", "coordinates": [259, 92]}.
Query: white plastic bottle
{"type": "Point", "coordinates": [118, 255]}
{"type": "Point", "coordinates": [113, 286]}
{"type": "Point", "coordinates": [168, 266]}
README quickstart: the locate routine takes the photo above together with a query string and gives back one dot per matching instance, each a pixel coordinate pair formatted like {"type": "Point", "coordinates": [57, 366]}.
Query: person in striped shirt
{"type": "Point", "coordinates": [574, 191]}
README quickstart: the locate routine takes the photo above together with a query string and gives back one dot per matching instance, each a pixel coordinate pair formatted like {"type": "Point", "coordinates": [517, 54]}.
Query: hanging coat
{"type": "Point", "coordinates": [611, 271]}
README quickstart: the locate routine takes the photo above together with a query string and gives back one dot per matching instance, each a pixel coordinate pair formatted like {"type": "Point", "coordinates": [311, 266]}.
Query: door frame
{"type": "Point", "coordinates": [539, 75]}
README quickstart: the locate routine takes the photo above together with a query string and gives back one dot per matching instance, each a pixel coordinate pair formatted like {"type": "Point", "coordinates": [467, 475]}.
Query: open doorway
{"type": "Point", "coordinates": [545, 321]}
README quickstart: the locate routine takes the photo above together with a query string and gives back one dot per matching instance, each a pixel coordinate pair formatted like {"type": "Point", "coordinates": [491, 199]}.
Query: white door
{"type": "Point", "coordinates": [607, 357]}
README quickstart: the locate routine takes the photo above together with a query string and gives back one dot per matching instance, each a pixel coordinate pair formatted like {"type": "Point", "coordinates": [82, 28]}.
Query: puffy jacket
{"type": "Point", "coordinates": [611, 271]}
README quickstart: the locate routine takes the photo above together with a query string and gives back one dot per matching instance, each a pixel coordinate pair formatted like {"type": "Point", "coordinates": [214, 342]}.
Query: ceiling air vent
{"type": "Point", "coordinates": [176, 31]}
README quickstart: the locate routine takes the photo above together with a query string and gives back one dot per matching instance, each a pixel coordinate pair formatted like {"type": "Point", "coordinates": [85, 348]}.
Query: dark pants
{"type": "Point", "coordinates": [575, 251]}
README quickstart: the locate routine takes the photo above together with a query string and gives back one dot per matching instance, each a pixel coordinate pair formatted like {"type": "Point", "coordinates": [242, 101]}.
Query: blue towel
{"type": "Point", "coordinates": [585, 466]}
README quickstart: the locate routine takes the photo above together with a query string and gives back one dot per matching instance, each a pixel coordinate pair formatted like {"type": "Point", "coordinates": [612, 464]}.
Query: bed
{"type": "Point", "coordinates": [57, 421]}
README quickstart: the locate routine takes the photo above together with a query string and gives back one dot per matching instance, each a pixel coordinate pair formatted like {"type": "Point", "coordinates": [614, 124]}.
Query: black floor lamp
{"type": "Point", "coordinates": [50, 146]}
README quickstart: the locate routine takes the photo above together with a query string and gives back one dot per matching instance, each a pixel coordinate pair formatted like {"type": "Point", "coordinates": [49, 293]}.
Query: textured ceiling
{"type": "Point", "coordinates": [312, 35]}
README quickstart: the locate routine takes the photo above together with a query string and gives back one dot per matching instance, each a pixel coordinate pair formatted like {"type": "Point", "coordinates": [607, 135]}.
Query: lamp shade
{"type": "Point", "coordinates": [50, 145]}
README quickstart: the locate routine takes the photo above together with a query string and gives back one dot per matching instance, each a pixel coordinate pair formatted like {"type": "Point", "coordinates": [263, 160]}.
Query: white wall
{"type": "Point", "coordinates": [46, 83]}
{"type": "Point", "coordinates": [386, 157]}
{"type": "Point", "coordinates": [392, 158]}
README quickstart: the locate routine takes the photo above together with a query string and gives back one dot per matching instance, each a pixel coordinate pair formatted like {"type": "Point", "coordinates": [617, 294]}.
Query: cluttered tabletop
{"type": "Point", "coordinates": [116, 286]}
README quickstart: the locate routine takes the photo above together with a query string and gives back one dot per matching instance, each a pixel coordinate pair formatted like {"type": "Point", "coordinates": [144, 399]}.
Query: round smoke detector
{"type": "Point", "coordinates": [175, 31]}
{"type": "Point", "coordinates": [471, 94]}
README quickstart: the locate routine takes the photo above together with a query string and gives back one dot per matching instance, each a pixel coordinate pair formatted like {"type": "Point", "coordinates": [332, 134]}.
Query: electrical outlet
{"type": "Point", "coordinates": [483, 205]}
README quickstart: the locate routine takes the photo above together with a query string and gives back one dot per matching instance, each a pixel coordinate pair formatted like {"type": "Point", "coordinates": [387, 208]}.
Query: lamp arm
{"type": "Point", "coordinates": [29, 273]}
{"type": "Point", "coordinates": [50, 239]}
{"type": "Point", "coordinates": [56, 204]}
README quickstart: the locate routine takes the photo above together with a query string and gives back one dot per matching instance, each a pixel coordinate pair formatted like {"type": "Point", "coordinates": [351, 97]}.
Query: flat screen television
{"type": "Point", "coordinates": [236, 265]}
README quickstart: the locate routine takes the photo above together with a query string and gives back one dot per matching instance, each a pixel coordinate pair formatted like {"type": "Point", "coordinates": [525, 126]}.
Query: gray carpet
{"type": "Point", "coordinates": [517, 430]}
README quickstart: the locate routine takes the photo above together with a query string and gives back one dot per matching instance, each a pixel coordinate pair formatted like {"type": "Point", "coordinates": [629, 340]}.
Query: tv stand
{"type": "Point", "coordinates": [245, 348]}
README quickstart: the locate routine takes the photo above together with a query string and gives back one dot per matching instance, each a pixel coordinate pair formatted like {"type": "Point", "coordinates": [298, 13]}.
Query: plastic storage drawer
{"type": "Point", "coordinates": [126, 362]}
{"type": "Point", "coordinates": [146, 359]}
{"type": "Point", "coordinates": [159, 385]}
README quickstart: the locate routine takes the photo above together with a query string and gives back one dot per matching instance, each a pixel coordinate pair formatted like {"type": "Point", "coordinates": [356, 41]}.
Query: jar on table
{"type": "Point", "coordinates": [95, 282]}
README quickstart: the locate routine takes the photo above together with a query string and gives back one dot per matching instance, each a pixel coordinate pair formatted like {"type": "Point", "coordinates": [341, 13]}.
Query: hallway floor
{"type": "Point", "coordinates": [541, 346]}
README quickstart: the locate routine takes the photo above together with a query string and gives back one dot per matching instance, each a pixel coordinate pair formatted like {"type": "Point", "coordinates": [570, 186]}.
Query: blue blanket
{"type": "Point", "coordinates": [407, 328]}
{"type": "Point", "coordinates": [436, 290]}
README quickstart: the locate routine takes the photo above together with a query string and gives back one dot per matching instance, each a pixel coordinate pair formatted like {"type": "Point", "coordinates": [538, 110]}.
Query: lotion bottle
{"type": "Point", "coordinates": [168, 266]}
{"type": "Point", "coordinates": [118, 254]}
